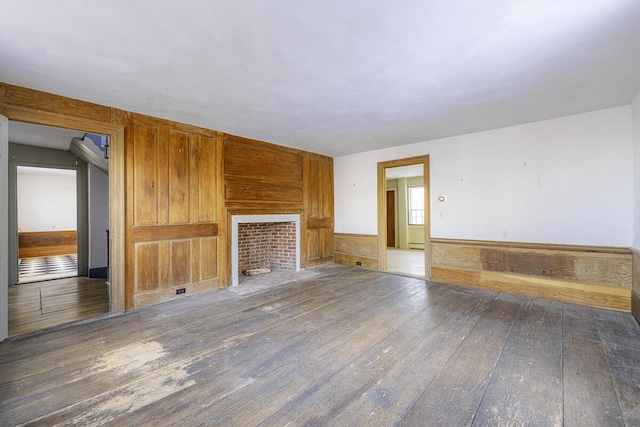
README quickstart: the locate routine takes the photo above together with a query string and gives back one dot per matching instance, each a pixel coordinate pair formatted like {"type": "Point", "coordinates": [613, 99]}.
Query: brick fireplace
{"type": "Point", "coordinates": [264, 241]}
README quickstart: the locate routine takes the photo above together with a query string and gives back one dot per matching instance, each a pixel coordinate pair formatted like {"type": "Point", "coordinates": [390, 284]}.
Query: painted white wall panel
{"type": "Point", "coordinates": [47, 199]}
{"type": "Point", "coordinates": [635, 118]}
{"type": "Point", "coordinates": [567, 180]}
{"type": "Point", "coordinates": [98, 217]}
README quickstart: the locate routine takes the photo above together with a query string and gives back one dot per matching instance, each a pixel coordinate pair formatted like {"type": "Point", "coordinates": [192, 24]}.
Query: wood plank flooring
{"type": "Point", "coordinates": [40, 305]}
{"type": "Point", "coordinates": [345, 347]}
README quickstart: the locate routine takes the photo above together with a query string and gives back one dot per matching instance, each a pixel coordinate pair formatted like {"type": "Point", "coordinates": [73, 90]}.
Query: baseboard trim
{"type": "Point", "coordinates": [610, 297]}
{"type": "Point", "coordinates": [100, 272]}
{"type": "Point", "coordinates": [353, 260]}
{"type": "Point", "coordinates": [635, 305]}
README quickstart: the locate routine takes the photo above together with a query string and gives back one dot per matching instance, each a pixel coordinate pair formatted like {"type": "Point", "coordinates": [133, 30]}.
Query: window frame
{"type": "Point", "coordinates": [410, 204]}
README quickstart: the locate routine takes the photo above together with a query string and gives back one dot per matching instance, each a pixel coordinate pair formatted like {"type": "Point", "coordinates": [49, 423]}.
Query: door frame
{"type": "Point", "coordinates": [395, 216]}
{"type": "Point", "coordinates": [116, 274]}
{"type": "Point", "coordinates": [82, 249]}
{"type": "Point", "coordinates": [382, 209]}
{"type": "Point", "coordinates": [4, 228]}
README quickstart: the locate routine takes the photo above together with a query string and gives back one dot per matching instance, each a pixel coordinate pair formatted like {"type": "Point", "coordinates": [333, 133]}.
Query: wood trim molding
{"type": "Point", "coordinates": [382, 209]}
{"type": "Point", "coordinates": [313, 223]}
{"type": "Point", "coordinates": [52, 110]}
{"type": "Point", "coordinates": [32, 100]}
{"type": "Point", "coordinates": [373, 236]}
{"type": "Point", "coordinates": [150, 233]}
{"type": "Point", "coordinates": [526, 245]}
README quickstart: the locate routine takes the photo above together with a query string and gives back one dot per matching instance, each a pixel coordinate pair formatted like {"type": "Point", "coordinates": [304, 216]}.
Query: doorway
{"type": "Point", "coordinates": [46, 206]}
{"type": "Point", "coordinates": [408, 250]}
{"type": "Point", "coordinates": [50, 242]}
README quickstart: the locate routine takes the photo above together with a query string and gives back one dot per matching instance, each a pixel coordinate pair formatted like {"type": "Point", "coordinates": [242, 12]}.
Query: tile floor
{"type": "Point", "coordinates": [47, 268]}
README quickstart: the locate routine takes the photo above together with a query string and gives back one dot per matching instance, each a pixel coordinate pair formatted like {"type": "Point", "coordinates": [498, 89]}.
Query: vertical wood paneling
{"type": "Point", "coordinates": [208, 258]}
{"type": "Point", "coordinates": [163, 176]}
{"type": "Point", "coordinates": [180, 262]}
{"type": "Point", "coordinates": [178, 177]}
{"type": "Point", "coordinates": [207, 178]}
{"type": "Point", "coordinates": [195, 260]}
{"type": "Point", "coordinates": [194, 178]}
{"type": "Point", "coordinates": [175, 173]}
{"type": "Point", "coordinates": [314, 247]}
{"type": "Point", "coordinates": [145, 170]}
{"type": "Point", "coordinates": [327, 242]}
{"type": "Point", "coordinates": [147, 266]}
{"type": "Point", "coordinates": [318, 178]}
{"type": "Point", "coordinates": [151, 178]}
{"type": "Point", "coordinates": [165, 265]}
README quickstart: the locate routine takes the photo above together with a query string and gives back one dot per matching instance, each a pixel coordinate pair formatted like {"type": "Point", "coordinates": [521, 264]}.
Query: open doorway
{"type": "Point", "coordinates": [403, 217]}
{"type": "Point", "coordinates": [54, 181]}
{"type": "Point", "coordinates": [46, 205]}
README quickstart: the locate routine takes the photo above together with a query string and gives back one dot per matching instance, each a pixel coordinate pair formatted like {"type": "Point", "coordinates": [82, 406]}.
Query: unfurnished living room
{"type": "Point", "coordinates": [338, 213]}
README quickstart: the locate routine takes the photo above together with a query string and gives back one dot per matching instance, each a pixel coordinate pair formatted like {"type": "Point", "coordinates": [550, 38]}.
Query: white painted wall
{"type": "Point", "coordinates": [567, 180]}
{"type": "Point", "coordinates": [98, 216]}
{"type": "Point", "coordinates": [46, 199]}
{"type": "Point", "coordinates": [635, 118]}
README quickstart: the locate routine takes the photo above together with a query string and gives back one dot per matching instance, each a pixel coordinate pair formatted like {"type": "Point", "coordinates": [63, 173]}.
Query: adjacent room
{"type": "Point", "coordinates": [330, 213]}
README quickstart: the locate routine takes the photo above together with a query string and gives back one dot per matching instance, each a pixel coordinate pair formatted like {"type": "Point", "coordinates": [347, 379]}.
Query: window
{"type": "Point", "coordinates": [416, 205]}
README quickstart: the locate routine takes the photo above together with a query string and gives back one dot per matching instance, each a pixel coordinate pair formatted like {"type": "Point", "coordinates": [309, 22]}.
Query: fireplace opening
{"type": "Point", "coordinates": [264, 242]}
{"type": "Point", "coordinates": [266, 246]}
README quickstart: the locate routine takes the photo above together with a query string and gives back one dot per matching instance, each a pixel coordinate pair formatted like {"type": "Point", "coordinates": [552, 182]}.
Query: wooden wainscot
{"type": "Point", "coordinates": [47, 243]}
{"type": "Point", "coordinates": [358, 250]}
{"type": "Point", "coordinates": [588, 275]}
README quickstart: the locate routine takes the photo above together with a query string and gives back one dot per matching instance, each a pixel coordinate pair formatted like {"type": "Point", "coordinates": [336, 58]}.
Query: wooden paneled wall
{"type": "Point", "coordinates": [262, 177]}
{"type": "Point", "coordinates": [318, 181]}
{"type": "Point", "coordinates": [265, 178]}
{"type": "Point", "coordinates": [47, 243]}
{"type": "Point", "coordinates": [172, 210]}
{"type": "Point", "coordinates": [351, 249]}
{"type": "Point", "coordinates": [173, 187]}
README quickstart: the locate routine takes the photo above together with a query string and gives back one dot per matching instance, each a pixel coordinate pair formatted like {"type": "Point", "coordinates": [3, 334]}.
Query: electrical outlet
{"type": "Point", "coordinates": [181, 291]}
{"type": "Point", "coordinates": [358, 263]}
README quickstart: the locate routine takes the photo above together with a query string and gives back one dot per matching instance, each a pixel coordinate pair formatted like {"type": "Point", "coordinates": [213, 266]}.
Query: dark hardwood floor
{"type": "Point", "coordinates": [41, 305]}
{"type": "Point", "coordinates": [347, 347]}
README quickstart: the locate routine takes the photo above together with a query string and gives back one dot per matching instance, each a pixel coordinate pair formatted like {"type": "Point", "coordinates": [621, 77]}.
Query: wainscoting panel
{"type": "Point", "coordinates": [47, 243]}
{"type": "Point", "coordinates": [351, 249]}
{"type": "Point", "coordinates": [163, 267]}
{"type": "Point", "coordinates": [589, 275]}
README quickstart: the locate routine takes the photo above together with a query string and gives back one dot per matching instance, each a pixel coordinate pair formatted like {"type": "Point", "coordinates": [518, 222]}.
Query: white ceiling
{"type": "Point", "coordinates": [42, 136]}
{"type": "Point", "coordinates": [333, 76]}
{"type": "Point", "coordinates": [403, 172]}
